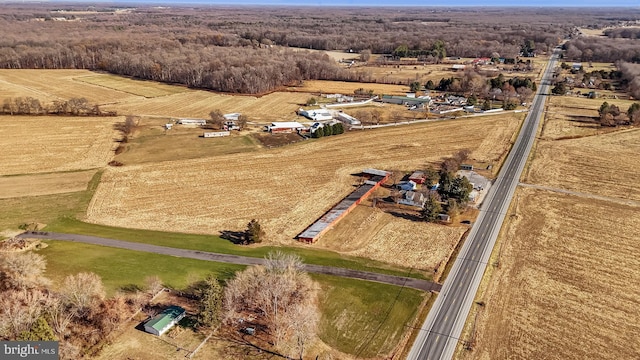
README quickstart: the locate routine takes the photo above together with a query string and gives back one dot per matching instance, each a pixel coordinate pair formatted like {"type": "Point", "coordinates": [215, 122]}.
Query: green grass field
{"type": "Point", "coordinates": [126, 269]}
{"type": "Point", "coordinates": [148, 89]}
{"type": "Point", "coordinates": [358, 317]}
{"type": "Point", "coordinates": [216, 244]}
{"type": "Point", "coordinates": [365, 318]}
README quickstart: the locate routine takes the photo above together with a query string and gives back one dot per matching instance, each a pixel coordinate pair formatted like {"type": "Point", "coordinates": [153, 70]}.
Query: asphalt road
{"type": "Point", "coordinates": [234, 259]}
{"type": "Point", "coordinates": [441, 330]}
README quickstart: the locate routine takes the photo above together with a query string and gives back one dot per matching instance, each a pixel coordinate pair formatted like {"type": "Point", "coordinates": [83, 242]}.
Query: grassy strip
{"type": "Point", "coordinates": [216, 244]}
{"type": "Point", "coordinates": [46, 208]}
{"type": "Point", "coordinates": [363, 318]}
{"type": "Point", "coordinates": [122, 269]}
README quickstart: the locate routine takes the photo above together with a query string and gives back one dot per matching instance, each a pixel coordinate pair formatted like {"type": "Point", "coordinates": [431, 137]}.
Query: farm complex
{"type": "Point", "coordinates": [347, 183]}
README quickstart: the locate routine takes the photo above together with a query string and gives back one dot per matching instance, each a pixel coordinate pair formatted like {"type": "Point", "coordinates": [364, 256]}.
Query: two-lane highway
{"type": "Point", "coordinates": [441, 330]}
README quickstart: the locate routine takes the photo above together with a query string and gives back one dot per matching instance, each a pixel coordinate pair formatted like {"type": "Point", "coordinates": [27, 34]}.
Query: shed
{"type": "Point", "coordinates": [164, 321]}
{"type": "Point", "coordinates": [192, 122]}
{"type": "Point", "coordinates": [444, 217]}
{"type": "Point", "coordinates": [466, 167]}
{"type": "Point", "coordinates": [417, 177]}
{"type": "Point", "coordinates": [406, 185]}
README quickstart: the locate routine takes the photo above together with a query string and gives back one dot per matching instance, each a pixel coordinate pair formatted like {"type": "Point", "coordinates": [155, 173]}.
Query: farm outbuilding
{"type": "Point", "coordinates": [348, 119]}
{"type": "Point", "coordinates": [164, 321]}
{"type": "Point", "coordinates": [216, 134]}
{"type": "Point", "coordinates": [375, 178]}
{"type": "Point", "coordinates": [195, 122]}
{"type": "Point", "coordinates": [417, 177]}
{"type": "Point", "coordinates": [405, 100]}
{"type": "Point", "coordinates": [281, 127]}
{"type": "Point", "coordinates": [316, 114]}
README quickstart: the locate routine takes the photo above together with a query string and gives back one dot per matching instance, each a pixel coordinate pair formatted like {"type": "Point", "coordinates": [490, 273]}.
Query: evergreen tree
{"type": "Point", "coordinates": [431, 207]}
{"type": "Point", "coordinates": [210, 296]}
{"type": "Point", "coordinates": [254, 232]}
{"type": "Point", "coordinates": [40, 331]}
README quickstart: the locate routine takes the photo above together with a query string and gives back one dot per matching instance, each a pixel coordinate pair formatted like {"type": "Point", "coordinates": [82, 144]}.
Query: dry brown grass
{"type": "Point", "coordinates": [278, 106]}
{"type": "Point", "coordinates": [604, 165]}
{"type": "Point", "coordinates": [37, 144]}
{"type": "Point", "coordinates": [147, 89]}
{"type": "Point", "coordinates": [44, 184]}
{"type": "Point", "coordinates": [341, 87]}
{"type": "Point", "coordinates": [374, 234]}
{"type": "Point", "coordinates": [49, 85]}
{"type": "Point", "coordinates": [569, 285]}
{"type": "Point", "coordinates": [286, 188]}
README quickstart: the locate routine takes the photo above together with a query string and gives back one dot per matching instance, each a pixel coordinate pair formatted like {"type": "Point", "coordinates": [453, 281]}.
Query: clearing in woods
{"type": "Point", "coordinates": [570, 269]}
{"type": "Point", "coordinates": [38, 144]}
{"type": "Point", "coordinates": [285, 188]}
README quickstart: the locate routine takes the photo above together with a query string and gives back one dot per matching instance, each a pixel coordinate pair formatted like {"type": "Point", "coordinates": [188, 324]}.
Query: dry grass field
{"type": "Point", "coordinates": [49, 85]}
{"type": "Point", "coordinates": [286, 188]}
{"type": "Point", "coordinates": [44, 184]}
{"type": "Point", "coordinates": [148, 89]}
{"type": "Point", "coordinates": [378, 235]}
{"type": "Point", "coordinates": [151, 143]}
{"type": "Point", "coordinates": [277, 106]}
{"type": "Point", "coordinates": [37, 144]}
{"type": "Point", "coordinates": [342, 87]}
{"type": "Point", "coordinates": [569, 285]}
{"type": "Point", "coordinates": [604, 165]}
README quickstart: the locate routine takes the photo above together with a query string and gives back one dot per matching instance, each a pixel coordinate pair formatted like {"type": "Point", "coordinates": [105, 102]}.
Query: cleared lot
{"type": "Point", "coordinates": [569, 285]}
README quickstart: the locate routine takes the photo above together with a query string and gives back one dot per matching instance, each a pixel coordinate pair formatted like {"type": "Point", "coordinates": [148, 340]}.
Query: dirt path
{"type": "Point", "coordinates": [233, 259]}
{"type": "Point", "coordinates": [584, 195]}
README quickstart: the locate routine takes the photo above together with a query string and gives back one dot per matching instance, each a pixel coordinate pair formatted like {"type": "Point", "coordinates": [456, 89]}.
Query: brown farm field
{"type": "Point", "coordinates": [277, 106]}
{"type": "Point", "coordinates": [604, 165]}
{"type": "Point", "coordinates": [286, 188]}
{"type": "Point", "coordinates": [372, 233]}
{"type": "Point", "coordinates": [569, 282]}
{"type": "Point", "coordinates": [38, 144]}
{"type": "Point", "coordinates": [44, 184]}
{"type": "Point", "coordinates": [342, 87]}
{"type": "Point", "coordinates": [147, 89]}
{"type": "Point", "coordinates": [50, 85]}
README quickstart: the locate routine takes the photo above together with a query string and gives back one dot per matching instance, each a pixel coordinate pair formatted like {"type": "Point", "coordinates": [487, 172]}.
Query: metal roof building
{"type": "Point", "coordinates": [340, 210]}
{"type": "Point", "coordinates": [164, 321]}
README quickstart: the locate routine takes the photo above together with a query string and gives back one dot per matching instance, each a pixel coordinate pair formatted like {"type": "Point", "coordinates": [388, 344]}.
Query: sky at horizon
{"type": "Point", "coordinates": [380, 3]}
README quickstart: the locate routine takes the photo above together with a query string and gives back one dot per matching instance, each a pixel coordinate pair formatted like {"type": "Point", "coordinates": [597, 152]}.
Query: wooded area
{"type": "Point", "coordinates": [249, 50]}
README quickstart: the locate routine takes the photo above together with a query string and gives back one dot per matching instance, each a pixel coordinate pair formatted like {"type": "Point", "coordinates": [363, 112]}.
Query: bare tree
{"type": "Point", "coordinates": [18, 310]}
{"type": "Point", "coordinates": [153, 285]}
{"type": "Point", "coordinates": [279, 293]}
{"type": "Point", "coordinates": [22, 270]}
{"type": "Point", "coordinates": [82, 292]}
{"type": "Point", "coordinates": [216, 119]}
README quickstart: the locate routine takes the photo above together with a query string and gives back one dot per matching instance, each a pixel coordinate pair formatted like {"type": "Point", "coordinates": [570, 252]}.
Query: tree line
{"type": "Point", "coordinates": [71, 107]}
